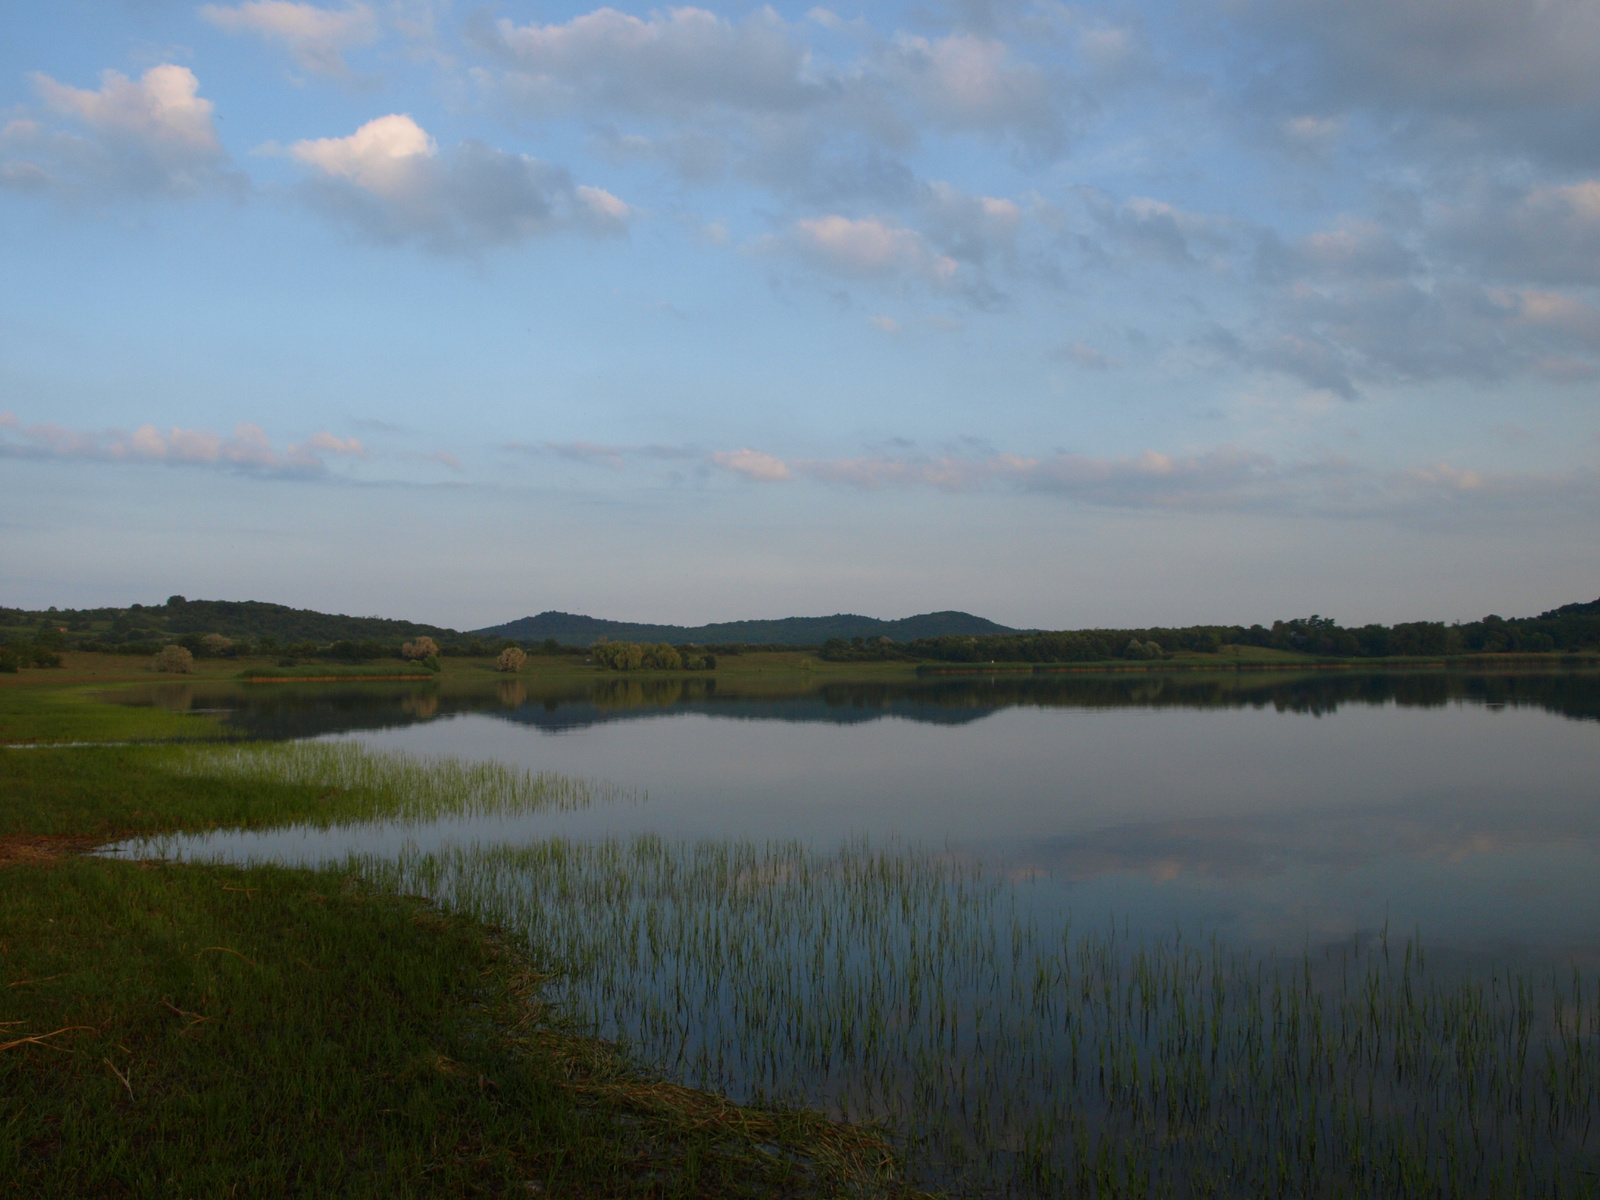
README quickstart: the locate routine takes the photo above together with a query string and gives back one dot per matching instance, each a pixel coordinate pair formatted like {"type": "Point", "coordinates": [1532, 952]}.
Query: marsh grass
{"type": "Point", "coordinates": [204, 1031]}
{"type": "Point", "coordinates": [32, 713]}
{"type": "Point", "coordinates": [212, 1031]}
{"type": "Point", "coordinates": [109, 791]}
{"type": "Point", "coordinates": [1016, 1056]}
{"type": "Point", "coordinates": [357, 786]}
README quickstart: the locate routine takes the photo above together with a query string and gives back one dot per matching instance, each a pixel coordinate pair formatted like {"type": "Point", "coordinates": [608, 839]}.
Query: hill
{"type": "Point", "coordinates": [574, 630]}
{"type": "Point", "coordinates": [251, 620]}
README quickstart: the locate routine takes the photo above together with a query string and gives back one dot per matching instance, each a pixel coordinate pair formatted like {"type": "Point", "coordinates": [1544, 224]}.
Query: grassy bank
{"type": "Point", "coordinates": [200, 1031]}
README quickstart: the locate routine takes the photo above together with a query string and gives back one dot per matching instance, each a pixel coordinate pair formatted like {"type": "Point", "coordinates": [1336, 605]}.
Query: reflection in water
{"type": "Point", "coordinates": [294, 710]}
{"type": "Point", "coordinates": [1264, 844]}
{"type": "Point", "coordinates": [1269, 806]}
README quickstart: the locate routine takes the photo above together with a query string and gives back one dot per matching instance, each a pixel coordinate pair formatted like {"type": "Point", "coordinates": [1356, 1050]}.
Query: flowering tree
{"type": "Point", "coordinates": [423, 647]}
{"type": "Point", "coordinates": [511, 659]}
{"type": "Point", "coordinates": [172, 658]}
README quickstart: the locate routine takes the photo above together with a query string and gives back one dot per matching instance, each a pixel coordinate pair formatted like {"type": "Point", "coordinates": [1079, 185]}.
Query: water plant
{"type": "Point", "coordinates": [359, 785]}
{"type": "Point", "coordinates": [1017, 1056]}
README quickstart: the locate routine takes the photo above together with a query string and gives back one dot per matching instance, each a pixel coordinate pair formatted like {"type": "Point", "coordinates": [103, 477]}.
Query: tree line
{"type": "Point", "coordinates": [1572, 629]}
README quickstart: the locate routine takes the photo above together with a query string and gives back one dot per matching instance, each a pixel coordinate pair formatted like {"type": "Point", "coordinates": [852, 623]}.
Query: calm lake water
{"type": "Point", "coordinates": [1065, 935]}
{"type": "Point", "coordinates": [1273, 809]}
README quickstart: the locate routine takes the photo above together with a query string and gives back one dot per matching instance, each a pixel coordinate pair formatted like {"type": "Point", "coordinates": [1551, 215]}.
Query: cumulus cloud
{"type": "Point", "coordinates": [1548, 235]}
{"type": "Point", "coordinates": [152, 136]}
{"type": "Point", "coordinates": [870, 248]}
{"type": "Point", "coordinates": [248, 449]}
{"type": "Point", "coordinates": [1522, 75]}
{"type": "Point", "coordinates": [969, 83]}
{"type": "Point", "coordinates": [971, 228]}
{"type": "Point", "coordinates": [390, 181]}
{"type": "Point", "coordinates": [707, 95]}
{"type": "Point", "coordinates": [1156, 230]}
{"type": "Point", "coordinates": [316, 37]}
{"type": "Point", "coordinates": [681, 61]}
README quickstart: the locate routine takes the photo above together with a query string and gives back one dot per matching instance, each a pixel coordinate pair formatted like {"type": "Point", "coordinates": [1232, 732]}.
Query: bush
{"type": "Point", "coordinates": [511, 659]}
{"type": "Point", "coordinates": [214, 644]}
{"type": "Point", "coordinates": [422, 648]}
{"type": "Point", "coordinates": [8, 661]}
{"type": "Point", "coordinates": [1137, 649]}
{"type": "Point", "coordinates": [619, 656]}
{"type": "Point", "coordinates": [661, 657]}
{"type": "Point", "coordinates": [175, 659]}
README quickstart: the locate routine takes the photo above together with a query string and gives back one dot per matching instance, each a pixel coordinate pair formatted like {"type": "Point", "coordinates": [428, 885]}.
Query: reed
{"type": "Point", "coordinates": [1014, 1055]}
{"type": "Point", "coordinates": [358, 786]}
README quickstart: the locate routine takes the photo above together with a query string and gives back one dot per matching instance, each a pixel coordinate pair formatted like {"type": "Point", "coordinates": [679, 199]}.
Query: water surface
{"type": "Point", "coordinates": [1276, 809]}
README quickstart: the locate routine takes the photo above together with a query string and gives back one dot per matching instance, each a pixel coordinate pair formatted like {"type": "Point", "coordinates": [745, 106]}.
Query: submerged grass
{"type": "Point", "coordinates": [205, 1031]}
{"type": "Point", "coordinates": [215, 1031]}
{"type": "Point", "coordinates": [1014, 1056]}
{"type": "Point", "coordinates": [31, 713]}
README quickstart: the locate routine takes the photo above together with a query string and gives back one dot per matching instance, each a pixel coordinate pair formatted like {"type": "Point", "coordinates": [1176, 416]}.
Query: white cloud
{"type": "Point", "coordinates": [153, 135]}
{"type": "Point", "coordinates": [752, 464]}
{"type": "Point", "coordinates": [317, 37]}
{"type": "Point", "coordinates": [752, 95]}
{"type": "Point", "coordinates": [390, 181]}
{"type": "Point", "coordinates": [382, 156]}
{"type": "Point", "coordinates": [968, 83]}
{"type": "Point", "coordinates": [247, 449]}
{"type": "Point", "coordinates": [683, 60]}
{"type": "Point", "coordinates": [1226, 479]}
{"type": "Point", "coordinates": [870, 248]}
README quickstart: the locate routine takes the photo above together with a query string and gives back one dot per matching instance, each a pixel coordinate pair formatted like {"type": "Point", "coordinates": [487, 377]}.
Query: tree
{"type": "Point", "coordinates": [174, 659]}
{"type": "Point", "coordinates": [511, 659]}
{"type": "Point", "coordinates": [215, 644]}
{"type": "Point", "coordinates": [423, 647]}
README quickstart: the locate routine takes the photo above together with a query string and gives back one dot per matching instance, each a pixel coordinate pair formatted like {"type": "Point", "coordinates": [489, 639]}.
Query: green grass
{"type": "Point", "coordinates": [216, 1032]}
{"type": "Point", "coordinates": [213, 1031]}
{"type": "Point", "coordinates": [32, 713]}
{"type": "Point", "coordinates": [323, 670]}
{"type": "Point", "coordinates": [106, 791]}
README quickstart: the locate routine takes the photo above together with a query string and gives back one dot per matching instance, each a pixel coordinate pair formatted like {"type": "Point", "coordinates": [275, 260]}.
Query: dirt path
{"type": "Point", "coordinates": [39, 848]}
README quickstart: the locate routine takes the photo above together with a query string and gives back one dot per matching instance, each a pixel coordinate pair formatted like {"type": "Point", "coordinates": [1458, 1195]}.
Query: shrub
{"type": "Point", "coordinates": [511, 659]}
{"type": "Point", "coordinates": [619, 656]}
{"type": "Point", "coordinates": [1137, 649]}
{"type": "Point", "coordinates": [422, 648]}
{"type": "Point", "coordinates": [172, 658]}
{"type": "Point", "coordinates": [8, 661]}
{"type": "Point", "coordinates": [214, 644]}
{"type": "Point", "coordinates": [661, 657]}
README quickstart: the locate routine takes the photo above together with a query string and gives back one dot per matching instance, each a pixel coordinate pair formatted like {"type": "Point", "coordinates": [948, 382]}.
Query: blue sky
{"type": "Point", "coordinates": [1067, 315]}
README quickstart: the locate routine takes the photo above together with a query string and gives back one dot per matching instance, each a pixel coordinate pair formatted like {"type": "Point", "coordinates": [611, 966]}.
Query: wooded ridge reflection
{"type": "Point", "coordinates": [294, 711]}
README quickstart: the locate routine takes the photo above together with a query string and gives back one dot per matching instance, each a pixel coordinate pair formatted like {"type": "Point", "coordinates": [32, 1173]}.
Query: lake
{"type": "Point", "coordinates": [876, 897]}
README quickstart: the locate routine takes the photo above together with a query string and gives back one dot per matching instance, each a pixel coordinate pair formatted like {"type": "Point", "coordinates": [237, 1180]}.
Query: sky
{"type": "Point", "coordinates": [1160, 313]}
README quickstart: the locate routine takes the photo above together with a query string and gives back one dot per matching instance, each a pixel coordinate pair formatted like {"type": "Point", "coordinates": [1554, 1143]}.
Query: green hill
{"type": "Point", "coordinates": [575, 630]}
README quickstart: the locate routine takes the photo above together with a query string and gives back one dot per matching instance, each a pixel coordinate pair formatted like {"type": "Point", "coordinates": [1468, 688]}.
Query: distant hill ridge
{"type": "Point", "coordinates": [575, 630]}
